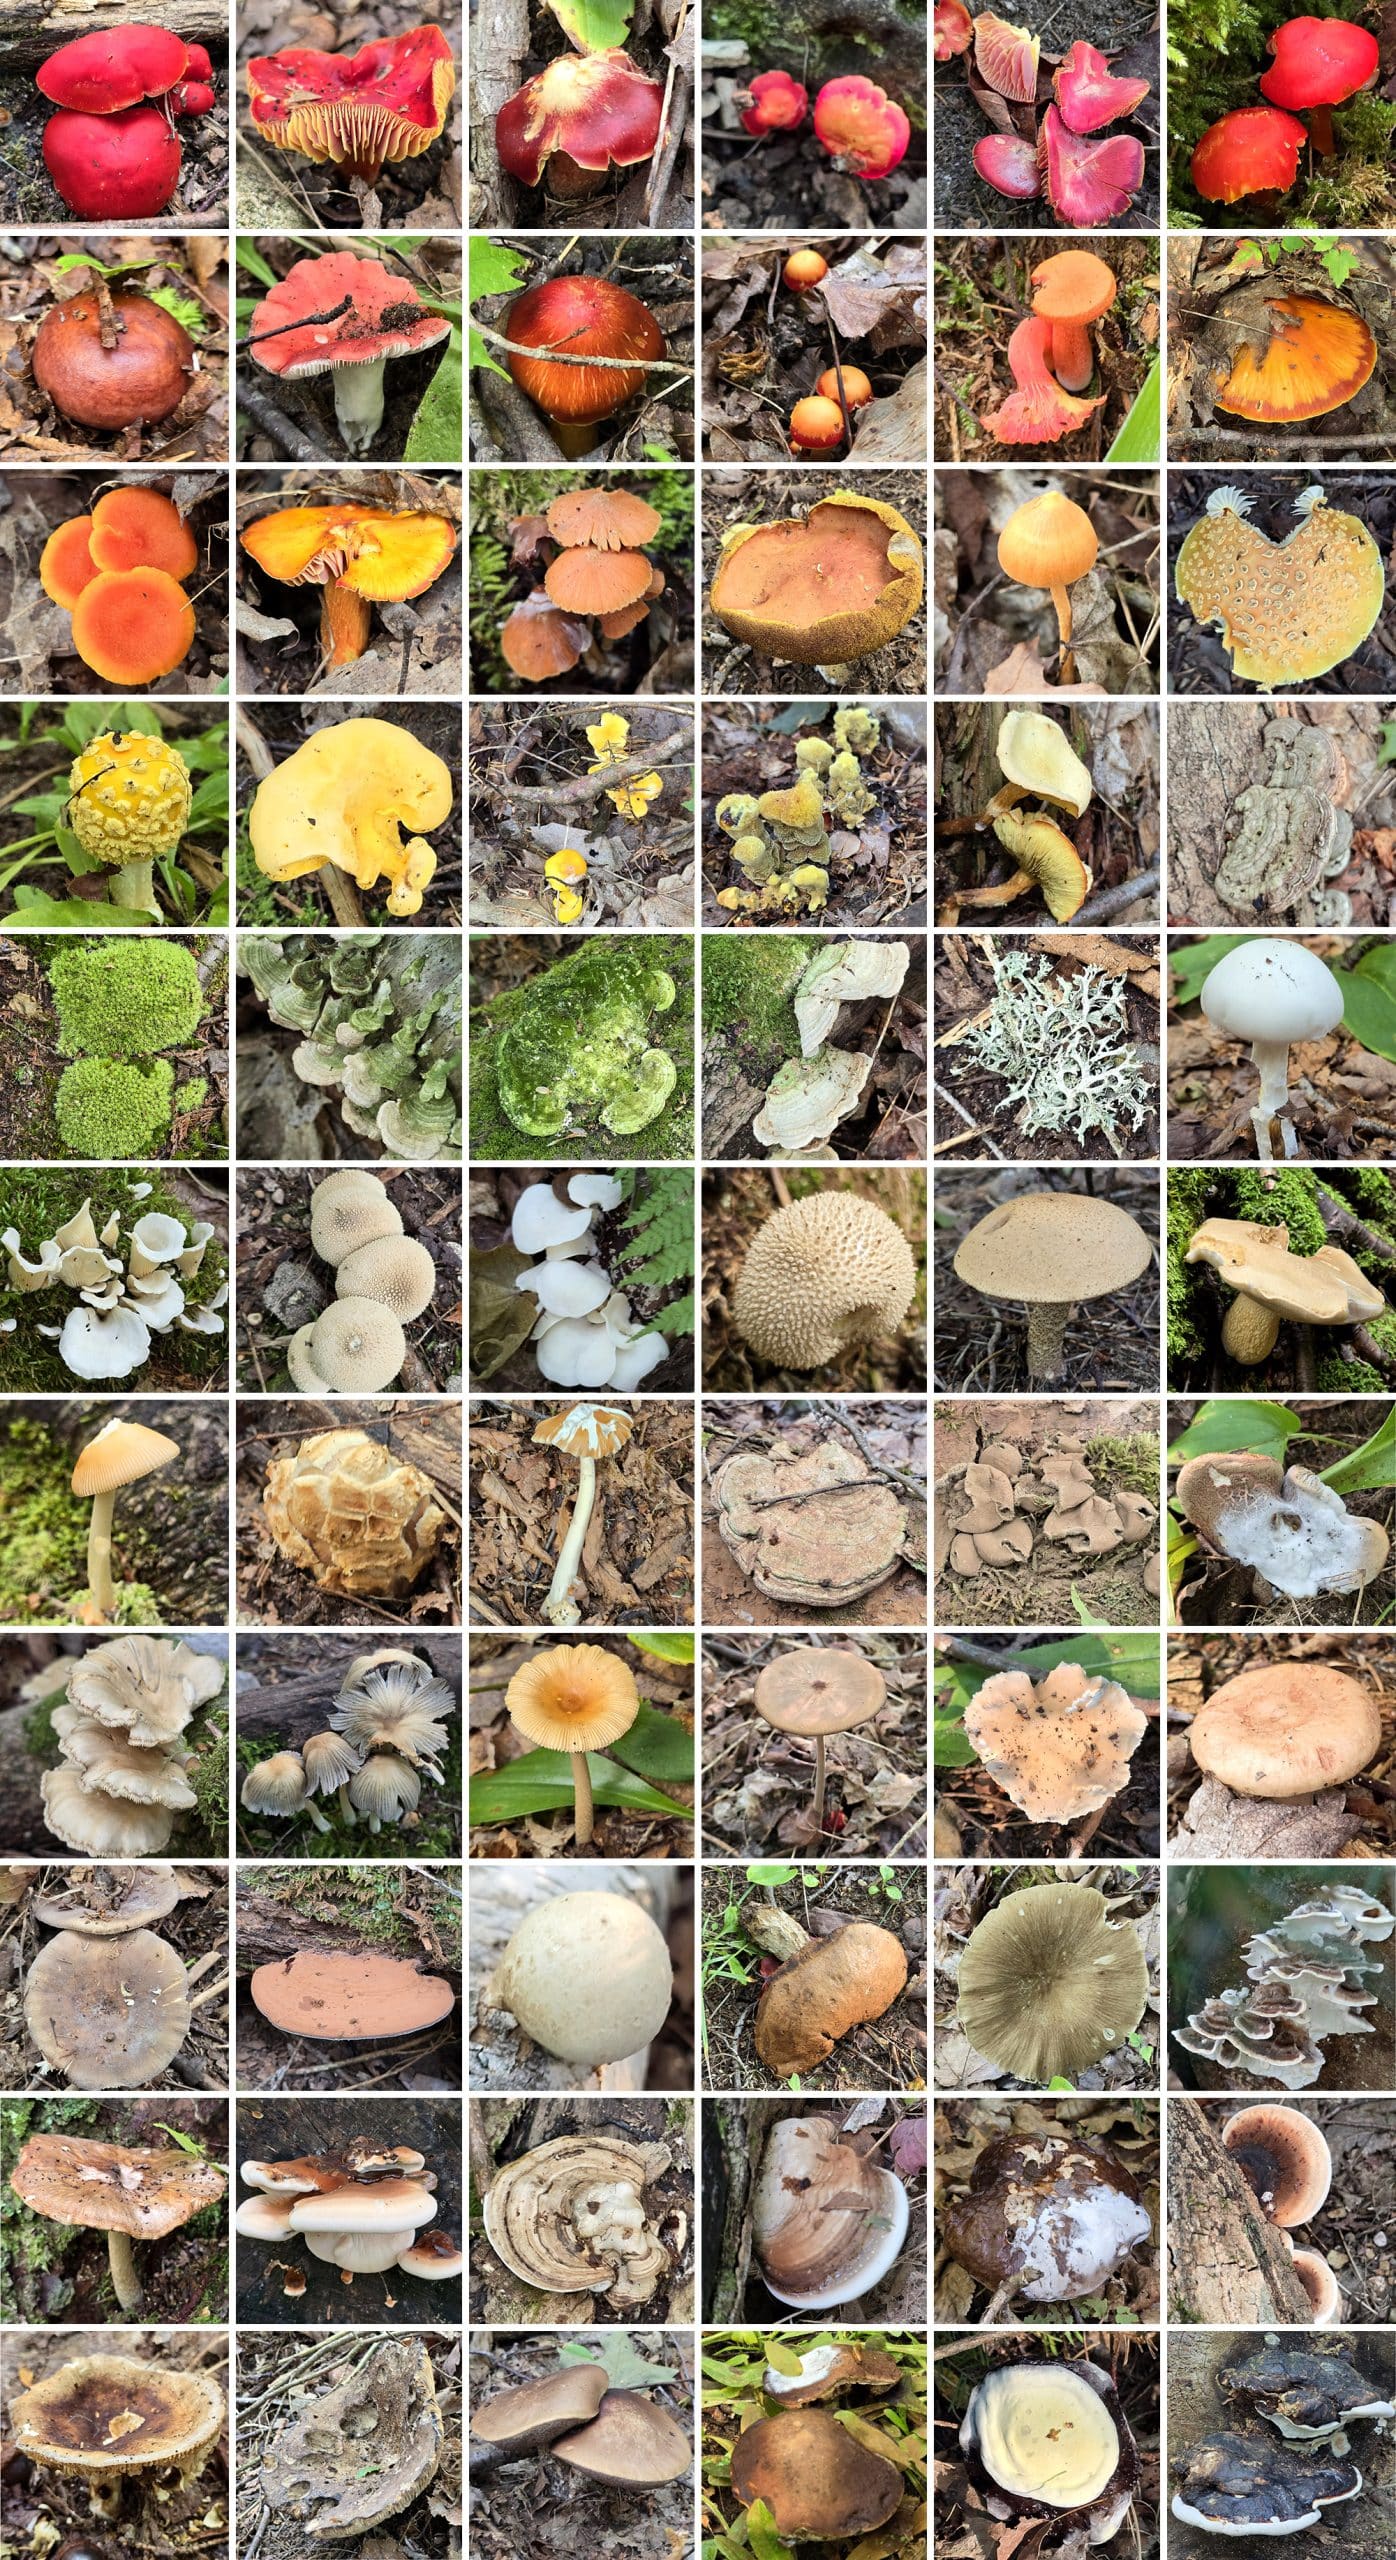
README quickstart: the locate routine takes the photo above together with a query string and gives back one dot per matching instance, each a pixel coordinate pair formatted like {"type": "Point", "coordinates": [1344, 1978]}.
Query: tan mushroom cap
{"type": "Point", "coordinates": [356, 1347]}
{"type": "Point", "coordinates": [1060, 1747]}
{"type": "Point", "coordinates": [349, 1209]}
{"type": "Point", "coordinates": [817, 1689]}
{"type": "Point", "coordinates": [591, 581]}
{"type": "Point", "coordinates": [332, 1995]}
{"type": "Point", "coordinates": [573, 1697]}
{"type": "Point", "coordinates": [586, 1431]}
{"type": "Point", "coordinates": [822, 1273]}
{"type": "Point", "coordinates": [106, 1901]}
{"type": "Point", "coordinates": [822, 589]}
{"type": "Point", "coordinates": [263, 2217]}
{"type": "Point", "coordinates": [101, 2416]}
{"type": "Point", "coordinates": [121, 1454]}
{"type": "Point", "coordinates": [631, 2443]}
{"type": "Point", "coordinates": [1286, 1729]}
{"type": "Point", "coordinates": [371, 2204]}
{"type": "Point", "coordinates": [433, 2258]}
{"type": "Point", "coordinates": [538, 2412]}
{"type": "Point", "coordinates": [102, 2186]}
{"type": "Point", "coordinates": [396, 1270]}
{"type": "Point", "coordinates": [1284, 2159]}
{"type": "Point", "coordinates": [1048, 1984]}
{"type": "Point", "coordinates": [588, 1976]}
{"type": "Point", "coordinates": [606, 519]}
{"type": "Point", "coordinates": [101, 1826]}
{"type": "Point", "coordinates": [1034, 753]}
{"type": "Point", "coordinates": [819, 2482]}
{"type": "Point", "coordinates": [1053, 1248]}
{"type": "Point", "coordinates": [362, 1520]}
{"type": "Point", "coordinates": [108, 2013]}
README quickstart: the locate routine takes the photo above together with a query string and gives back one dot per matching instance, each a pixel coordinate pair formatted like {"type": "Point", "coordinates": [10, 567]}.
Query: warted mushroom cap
{"type": "Point", "coordinates": [1059, 1747]}
{"type": "Point", "coordinates": [1286, 611]}
{"type": "Point", "coordinates": [1284, 2160]}
{"type": "Point", "coordinates": [819, 2482]}
{"type": "Point", "coordinates": [816, 1689]}
{"type": "Point", "coordinates": [397, 1271]}
{"type": "Point", "coordinates": [1053, 1248]}
{"type": "Point", "coordinates": [832, 1985]}
{"type": "Point", "coordinates": [109, 2013]}
{"type": "Point", "coordinates": [631, 2443]}
{"type": "Point", "coordinates": [539, 2412]}
{"type": "Point", "coordinates": [101, 2186]}
{"type": "Point", "coordinates": [570, 2217]}
{"type": "Point", "coordinates": [824, 1272]}
{"type": "Point", "coordinates": [1286, 1729]}
{"type": "Point", "coordinates": [828, 2224]}
{"type": "Point", "coordinates": [1048, 1984]}
{"type": "Point", "coordinates": [329, 1994]}
{"type": "Point", "coordinates": [102, 2416]}
{"type": "Point", "coordinates": [348, 1209]}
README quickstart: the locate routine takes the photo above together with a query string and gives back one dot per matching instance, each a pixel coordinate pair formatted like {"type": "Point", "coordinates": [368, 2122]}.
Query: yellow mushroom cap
{"type": "Point", "coordinates": [1049, 542]}
{"type": "Point", "coordinates": [344, 798]}
{"type": "Point", "coordinates": [129, 797]}
{"type": "Point", "coordinates": [1288, 610]}
{"type": "Point", "coordinates": [1318, 358]}
{"type": "Point", "coordinates": [1039, 848]}
{"type": "Point", "coordinates": [1033, 752]}
{"type": "Point", "coordinates": [565, 866]}
{"type": "Point", "coordinates": [121, 1454]}
{"type": "Point", "coordinates": [573, 1697]}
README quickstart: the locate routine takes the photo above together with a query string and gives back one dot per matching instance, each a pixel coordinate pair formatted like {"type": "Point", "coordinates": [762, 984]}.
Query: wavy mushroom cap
{"type": "Point", "coordinates": [573, 1697]}
{"type": "Point", "coordinates": [821, 589]}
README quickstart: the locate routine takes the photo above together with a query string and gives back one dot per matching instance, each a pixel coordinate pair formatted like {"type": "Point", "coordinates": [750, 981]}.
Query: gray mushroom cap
{"type": "Point", "coordinates": [1234, 2483]}
{"type": "Point", "coordinates": [1301, 2392]}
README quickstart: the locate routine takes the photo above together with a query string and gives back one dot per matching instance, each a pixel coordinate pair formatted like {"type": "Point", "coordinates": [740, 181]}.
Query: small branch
{"type": "Point", "coordinates": [292, 443]}
{"type": "Point", "coordinates": [1110, 901]}
{"type": "Point", "coordinates": [608, 364]}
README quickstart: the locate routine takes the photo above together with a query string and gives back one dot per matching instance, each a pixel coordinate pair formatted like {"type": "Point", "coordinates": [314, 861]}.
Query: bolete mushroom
{"type": "Point", "coordinates": [330, 1995]}
{"type": "Point", "coordinates": [575, 1698]}
{"type": "Point", "coordinates": [361, 111]}
{"type": "Point", "coordinates": [537, 2413]}
{"type": "Point", "coordinates": [1059, 1747]}
{"type": "Point", "coordinates": [813, 1691]}
{"type": "Point", "coordinates": [1285, 1730]}
{"type": "Point", "coordinates": [818, 2480]}
{"type": "Point", "coordinates": [129, 2194]}
{"type": "Point", "coordinates": [586, 1432]}
{"type": "Point", "coordinates": [122, 1453]}
{"type": "Point", "coordinates": [824, 1273]}
{"type": "Point", "coordinates": [821, 589]}
{"type": "Point", "coordinates": [824, 1990]}
{"type": "Point", "coordinates": [1051, 1251]}
{"type": "Point", "coordinates": [349, 317]}
{"type": "Point", "coordinates": [108, 2013]}
{"type": "Point", "coordinates": [344, 797]}
{"type": "Point", "coordinates": [587, 1976]}
{"type": "Point", "coordinates": [570, 2216]}
{"type": "Point", "coordinates": [113, 2421]}
{"type": "Point", "coordinates": [631, 2443]}
{"type": "Point", "coordinates": [1271, 993]}
{"type": "Point", "coordinates": [1284, 2159]}
{"type": "Point", "coordinates": [1049, 542]}
{"type": "Point", "coordinates": [1052, 2216]}
{"type": "Point", "coordinates": [137, 380]}
{"type": "Point", "coordinates": [828, 2224]}
{"type": "Point", "coordinates": [1048, 1984]}
{"type": "Point", "coordinates": [1273, 1285]}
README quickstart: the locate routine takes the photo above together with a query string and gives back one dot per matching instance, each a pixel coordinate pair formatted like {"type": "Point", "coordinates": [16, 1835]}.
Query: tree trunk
{"type": "Point", "coordinates": [733, 2137]}
{"type": "Point", "coordinates": [1230, 2268]}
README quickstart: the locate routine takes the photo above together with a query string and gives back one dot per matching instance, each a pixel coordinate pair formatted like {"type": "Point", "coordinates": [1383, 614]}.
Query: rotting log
{"type": "Point", "coordinates": [29, 36]}
{"type": "Point", "coordinates": [1229, 2267]}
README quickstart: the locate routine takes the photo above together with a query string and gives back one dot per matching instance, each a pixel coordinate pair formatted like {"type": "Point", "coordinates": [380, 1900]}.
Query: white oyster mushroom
{"type": "Point", "coordinates": [575, 1250]}
{"type": "Point", "coordinates": [577, 1354]}
{"type": "Point", "coordinates": [634, 1360]}
{"type": "Point", "coordinates": [541, 1219]}
{"type": "Point", "coordinates": [101, 1342]}
{"type": "Point", "coordinates": [200, 1320]}
{"type": "Point", "coordinates": [159, 1298]}
{"type": "Point", "coordinates": [25, 1274]}
{"type": "Point", "coordinates": [597, 1190]}
{"type": "Point", "coordinates": [200, 1238]}
{"type": "Point", "coordinates": [111, 1232]}
{"type": "Point", "coordinates": [567, 1288]}
{"type": "Point", "coordinates": [845, 975]}
{"type": "Point", "coordinates": [85, 1266]}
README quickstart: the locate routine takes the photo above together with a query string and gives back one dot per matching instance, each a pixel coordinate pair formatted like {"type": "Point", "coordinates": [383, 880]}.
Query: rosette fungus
{"type": "Point", "coordinates": [363, 110]}
{"type": "Point", "coordinates": [292, 335]}
{"type": "Point", "coordinates": [1006, 57]}
{"type": "Point", "coordinates": [954, 29]}
{"type": "Point", "coordinates": [359, 555]}
{"type": "Point", "coordinates": [818, 590]}
{"type": "Point", "coordinates": [112, 168]}
{"type": "Point", "coordinates": [577, 316]}
{"type": "Point", "coordinates": [778, 104]}
{"type": "Point", "coordinates": [861, 127]}
{"type": "Point", "coordinates": [113, 67]}
{"type": "Point", "coordinates": [1318, 63]}
{"type": "Point", "coordinates": [139, 379]}
{"type": "Point", "coordinates": [1088, 93]}
{"type": "Point", "coordinates": [576, 120]}
{"type": "Point", "coordinates": [1286, 611]}
{"type": "Point", "coordinates": [1318, 358]}
{"type": "Point", "coordinates": [1038, 411]}
{"type": "Point", "coordinates": [1253, 151]}
{"type": "Point", "coordinates": [1008, 164]}
{"type": "Point", "coordinates": [1088, 183]}
{"type": "Point", "coordinates": [1070, 291]}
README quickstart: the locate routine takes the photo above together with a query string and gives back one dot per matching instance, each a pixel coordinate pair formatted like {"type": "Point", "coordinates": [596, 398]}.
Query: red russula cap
{"type": "Point", "coordinates": [953, 29]}
{"type": "Point", "coordinates": [1088, 93]}
{"type": "Point", "coordinates": [1088, 183]}
{"type": "Point", "coordinates": [804, 269]}
{"type": "Point", "coordinates": [1007, 163]}
{"type": "Point", "coordinates": [575, 119]}
{"type": "Point", "coordinates": [1252, 151]}
{"type": "Point", "coordinates": [778, 104]}
{"type": "Point", "coordinates": [385, 103]}
{"type": "Point", "coordinates": [112, 168]}
{"type": "Point", "coordinates": [192, 98]}
{"type": "Point", "coordinates": [580, 316]}
{"type": "Point", "coordinates": [200, 63]}
{"type": "Point", "coordinates": [385, 317]}
{"type": "Point", "coordinates": [113, 67]}
{"type": "Point", "coordinates": [859, 124]}
{"type": "Point", "coordinates": [1318, 62]}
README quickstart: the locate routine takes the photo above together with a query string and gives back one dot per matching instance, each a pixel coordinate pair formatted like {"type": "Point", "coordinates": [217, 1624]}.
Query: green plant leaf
{"type": "Point", "coordinates": [33, 908]}
{"type": "Point", "coordinates": [1369, 1000]}
{"type": "Point", "coordinates": [952, 1748]}
{"type": "Point", "coordinates": [493, 269]}
{"type": "Point", "coordinates": [435, 432]}
{"type": "Point", "coordinates": [501, 1316]}
{"type": "Point", "coordinates": [1138, 437]}
{"type": "Point", "coordinates": [250, 257]}
{"type": "Point", "coordinates": [771, 1874]}
{"type": "Point", "coordinates": [657, 1746]}
{"type": "Point", "coordinates": [594, 26]}
{"type": "Point", "coordinates": [1082, 1612]}
{"type": "Point", "coordinates": [666, 1647]}
{"type": "Point", "coordinates": [1195, 962]}
{"type": "Point", "coordinates": [541, 1782]}
{"type": "Point", "coordinates": [783, 2359]}
{"type": "Point", "coordinates": [1370, 1469]}
{"type": "Point", "coordinates": [1227, 1423]}
{"type": "Point", "coordinates": [209, 806]}
{"type": "Point", "coordinates": [1133, 1660]}
{"type": "Point", "coordinates": [625, 2368]}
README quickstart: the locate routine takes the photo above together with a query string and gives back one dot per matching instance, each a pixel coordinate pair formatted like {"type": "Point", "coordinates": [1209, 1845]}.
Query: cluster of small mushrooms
{"type": "Point", "coordinates": [1008, 1504]}
{"type": "Point", "coordinates": [107, 2001]}
{"type": "Point", "coordinates": [1305, 1979]}
{"type": "Point", "coordinates": [123, 1294]}
{"type": "Point", "coordinates": [574, 2216]}
{"type": "Point", "coordinates": [1049, 2440]}
{"type": "Point", "coordinates": [122, 1773]}
{"type": "Point", "coordinates": [585, 1335]}
{"type": "Point", "coordinates": [818, 2479]}
{"type": "Point", "coordinates": [620, 2439]}
{"type": "Point", "coordinates": [1088, 178]}
{"type": "Point", "coordinates": [363, 2210]}
{"type": "Point", "coordinates": [600, 575]}
{"type": "Point", "coordinates": [1281, 2476]}
{"type": "Point", "coordinates": [383, 1280]}
{"type": "Point", "coordinates": [1052, 1251]}
{"type": "Point", "coordinates": [822, 1275]}
{"type": "Point", "coordinates": [131, 2195]}
{"type": "Point", "coordinates": [120, 574]}
{"type": "Point", "coordinates": [1048, 1985]}
{"type": "Point", "coordinates": [385, 1736]}
{"type": "Point", "coordinates": [818, 1528]}
{"type": "Point", "coordinates": [132, 2433]}
{"type": "Point", "coordinates": [780, 839]}
{"type": "Point", "coordinates": [1294, 1532]}
{"type": "Point", "coordinates": [361, 1520]}
{"type": "Point", "coordinates": [808, 1096]}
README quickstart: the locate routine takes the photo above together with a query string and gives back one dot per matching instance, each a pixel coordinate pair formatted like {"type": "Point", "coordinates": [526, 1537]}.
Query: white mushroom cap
{"type": "Point", "coordinates": [1033, 752]}
{"type": "Point", "coordinates": [634, 1360]}
{"type": "Point", "coordinates": [574, 1353]}
{"type": "Point", "coordinates": [347, 1209]}
{"type": "Point", "coordinates": [595, 1190]}
{"type": "Point", "coordinates": [276, 1785]}
{"type": "Point", "coordinates": [377, 2205]}
{"type": "Point", "coordinates": [363, 2253]}
{"type": "Point", "coordinates": [103, 1343]}
{"type": "Point", "coordinates": [541, 1219]}
{"type": "Point", "coordinates": [1042, 2433]}
{"type": "Point", "coordinates": [587, 1975]}
{"type": "Point", "coordinates": [567, 1288]}
{"type": "Point", "coordinates": [828, 2225]}
{"type": "Point", "coordinates": [1272, 990]}
{"type": "Point", "coordinates": [158, 1238]}
{"type": "Point", "coordinates": [159, 1298]}
{"type": "Point", "coordinates": [263, 2217]}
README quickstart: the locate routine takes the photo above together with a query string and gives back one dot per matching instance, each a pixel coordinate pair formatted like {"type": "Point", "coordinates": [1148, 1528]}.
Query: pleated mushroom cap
{"type": "Point", "coordinates": [1048, 1985]}
{"type": "Point", "coordinates": [573, 1697]}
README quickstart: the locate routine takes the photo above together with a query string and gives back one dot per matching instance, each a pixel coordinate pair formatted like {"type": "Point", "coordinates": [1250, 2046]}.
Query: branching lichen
{"type": "Point", "coordinates": [1062, 1048]}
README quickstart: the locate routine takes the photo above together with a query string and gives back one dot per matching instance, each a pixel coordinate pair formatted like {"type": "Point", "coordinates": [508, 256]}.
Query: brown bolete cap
{"type": "Point", "coordinates": [817, 1689]}
{"type": "Point", "coordinates": [818, 590]}
{"type": "Point", "coordinates": [1053, 1248]}
{"type": "Point", "coordinates": [102, 2416]}
{"type": "Point", "coordinates": [1048, 1983]}
{"type": "Point", "coordinates": [1284, 2159]}
{"type": "Point", "coordinates": [539, 2412]}
{"type": "Point", "coordinates": [1286, 1729]}
{"type": "Point", "coordinates": [631, 2443]}
{"type": "Point", "coordinates": [1059, 1747]}
{"type": "Point", "coordinates": [121, 1454]}
{"type": "Point", "coordinates": [329, 1994]}
{"type": "Point", "coordinates": [819, 2482]}
{"type": "Point", "coordinates": [101, 2186]}
{"type": "Point", "coordinates": [108, 2013]}
{"type": "Point", "coordinates": [833, 1984]}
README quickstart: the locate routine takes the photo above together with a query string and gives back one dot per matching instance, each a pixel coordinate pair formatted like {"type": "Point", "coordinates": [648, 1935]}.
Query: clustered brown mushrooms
{"type": "Point", "coordinates": [1294, 1532]}
{"type": "Point", "coordinates": [822, 1275]}
{"type": "Point", "coordinates": [1305, 1978]}
{"type": "Point", "coordinates": [385, 1737]}
{"type": "Point", "coordinates": [1286, 2163]}
{"type": "Point", "coordinates": [808, 1096]}
{"type": "Point", "coordinates": [1239, 2480]}
{"type": "Point", "coordinates": [599, 575]}
{"type": "Point", "coordinates": [621, 2439]}
{"type": "Point", "coordinates": [1049, 2439]}
{"type": "Point", "coordinates": [107, 2002]}
{"type": "Point", "coordinates": [1049, 1984]}
{"type": "Point", "coordinates": [121, 2427]}
{"type": "Point", "coordinates": [1050, 1251]}
{"type": "Point", "coordinates": [1059, 1747]}
{"type": "Point", "coordinates": [827, 2222]}
{"type": "Point", "coordinates": [1050, 2217]}
{"type": "Point", "coordinates": [360, 2452]}
{"type": "Point", "coordinates": [1007, 1506]}
{"type": "Point", "coordinates": [825, 1986]}
{"type": "Point", "coordinates": [362, 2210]}
{"type": "Point", "coordinates": [817, 1528]}
{"type": "Point", "coordinates": [383, 1280]}
{"type": "Point", "coordinates": [122, 1776]}
{"type": "Point", "coordinates": [362, 1521]}
{"type": "Point", "coordinates": [572, 2216]}
{"type": "Point", "coordinates": [128, 2194]}
{"type": "Point", "coordinates": [587, 1977]}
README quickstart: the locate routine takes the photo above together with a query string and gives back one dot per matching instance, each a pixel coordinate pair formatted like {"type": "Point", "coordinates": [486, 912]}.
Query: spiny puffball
{"type": "Point", "coordinates": [826, 1271]}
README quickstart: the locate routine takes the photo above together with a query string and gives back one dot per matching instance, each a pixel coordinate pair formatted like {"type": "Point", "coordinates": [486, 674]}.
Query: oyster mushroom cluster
{"type": "Point", "coordinates": [122, 1776]}
{"type": "Point", "coordinates": [1051, 2441]}
{"type": "Point", "coordinates": [1050, 2217]}
{"type": "Point", "coordinates": [1285, 2161]}
{"type": "Point", "coordinates": [384, 1738]}
{"type": "Point", "coordinates": [383, 1280]}
{"type": "Point", "coordinates": [575, 2216]}
{"type": "Point", "coordinates": [107, 2001]}
{"type": "Point", "coordinates": [1294, 1532]}
{"type": "Point", "coordinates": [1088, 178]}
{"type": "Point", "coordinates": [1306, 1978]}
{"type": "Point", "coordinates": [1008, 1504]}
{"type": "Point", "coordinates": [780, 839]}
{"type": "Point", "coordinates": [600, 575]}
{"type": "Point", "coordinates": [128, 2194]}
{"type": "Point", "coordinates": [363, 2210]}
{"type": "Point", "coordinates": [624, 2439]}
{"type": "Point", "coordinates": [816, 1528]}
{"type": "Point", "coordinates": [129, 2432]}
{"type": "Point", "coordinates": [1283, 2475]}
{"type": "Point", "coordinates": [808, 1096]}
{"type": "Point", "coordinates": [586, 1335]}
{"type": "Point", "coordinates": [125, 1287]}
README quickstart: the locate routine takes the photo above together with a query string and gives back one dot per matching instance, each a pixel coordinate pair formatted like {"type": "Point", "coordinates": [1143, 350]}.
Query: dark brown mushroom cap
{"type": "Point", "coordinates": [108, 2013]}
{"type": "Point", "coordinates": [820, 2483]}
{"type": "Point", "coordinates": [817, 1689]}
{"type": "Point", "coordinates": [101, 2186]}
{"type": "Point", "coordinates": [1055, 2212]}
{"type": "Point", "coordinates": [330, 1994]}
{"type": "Point", "coordinates": [102, 2416]}
{"type": "Point", "coordinates": [104, 1902]}
{"type": "Point", "coordinates": [1284, 2158]}
{"type": "Point", "coordinates": [631, 2443]}
{"type": "Point", "coordinates": [539, 2412]}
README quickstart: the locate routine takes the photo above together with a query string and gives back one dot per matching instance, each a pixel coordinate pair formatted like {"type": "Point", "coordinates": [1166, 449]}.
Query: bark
{"type": "Point", "coordinates": [501, 2058]}
{"type": "Point", "coordinates": [1230, 2269]}
{"type": "Point", "coordinates": [28, 37]}
{"type": "Point", "coordinates": [733, 2136]}
{"type": "Point", "coordinates": [499, 45]}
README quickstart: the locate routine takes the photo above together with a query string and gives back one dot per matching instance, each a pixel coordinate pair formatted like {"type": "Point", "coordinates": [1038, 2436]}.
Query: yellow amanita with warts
{"type": "Point", "coordinates": [129, 801]}
{"type": "Point", "coordinates": [1290, 610]}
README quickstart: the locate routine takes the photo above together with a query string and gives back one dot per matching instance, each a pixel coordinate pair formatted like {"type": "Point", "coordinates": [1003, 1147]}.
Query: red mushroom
{"type": "Point", "coordinates": [1008, 164]}
{"type": "Point", "coordinates": [1252, 151]}
{"type": "Point", "coordinates": [1318, 63]}
{"type": "Point", "coordinates": [114, 67]}
{"type": "Point", "coordinates": [200, 63]}
{"type": "Point", "coordinates": [579, 316]}
{"type": "Point", "coordinates": [1038, 411]}
{"type": "Point", "coordinates": [857, 390]}
{"type": "Point", "coordinates": [1088, 183]}
{"type": "Point", "coordinates": [954, 28]}
{"type": "Point", "coordinates": [192, 98]}
{"type": "Point", "coordinates": [778, 104]}
{"type": "Point", "coordinates": [133, 625]}
{"type": "Point", "coordinates": [1006, 57]}
{"type": "Point", "coordinates": [861, 126]}
{"type": "Point", "coordinates": [575, 120]}
{"type": "Point", "coordinates": [136, 381]}
{"type": "Point", "coordinates": [376, 316]}
{"type": "Point", "coordinates": [363, 110]}
{"type": "Point", "coordinates": [1089, 95]}
{"type": "Point", "coordinates": [112, 168]}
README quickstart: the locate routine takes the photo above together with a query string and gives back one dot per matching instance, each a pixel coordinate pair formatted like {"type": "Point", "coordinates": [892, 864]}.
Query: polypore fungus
{"type": "Point", "coordinates": [827, 1547]}
{"type": "Point", "coordinates": [1048, 1985]}
{"type": "Point", "coordinates": [825, 1273]}
{"type": "Point", "coordinates": [361, 111]}
{"type": "Point", "coordinates": [575, 1698]}
{"type": "Point", "coordinates": [1235, 2483]}
{"type": "Point", "coordinates": [1059, 1747]}
{"type": "Point", "coordinates": [329, 1994]}
{"type": "Point", "coordinates": [587, 1976]}
{"type": "Point", "coordinates": [571, 2216]}
{"type": "Point", "coordinates": [315, 2468]}
{"type": "Point", "coordinates": [1303, 2393]}
{"type": "Point", "coordinates": [1304, 1978]}
{"type": "Point", "coordinates": [828, 2224]}
{"type": "Point", "coordinates": [1271, 993]}
{"type": "Point", "coordinates": [824, 588]}
{"type": "Point", "coordinates": [820, 1994]}
{"type": "Point", "coordinates": [1051, 1251]}
{"type": "Point", "coordinates": [1286, 611]}
{"type": "Point", "coordinates": [1285, 1730]}
{"type": "Point", "coordinates": [1284, 2159]}
{"type": "Point", "coordinates": [1052, 2216]}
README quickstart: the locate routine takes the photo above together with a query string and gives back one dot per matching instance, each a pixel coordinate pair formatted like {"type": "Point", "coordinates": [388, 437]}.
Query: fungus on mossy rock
{"type": "Point", "coordinates": [823, 1273]}
{"type": "Point", "coordinates": [111, 1110]}
{"type": "Point", "coordinates": [1049, 1985]}
{"type": "Point", "coordinates": [576, 1054]}
{"type": "Point", "coordinates": [123, 999]}
{"type": "Point", "coordinates": [822, 589]}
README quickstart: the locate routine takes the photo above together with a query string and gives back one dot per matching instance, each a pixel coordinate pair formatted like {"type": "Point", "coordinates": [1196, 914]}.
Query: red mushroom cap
{"type": "Point", "coordinates": [192, 98]}
{"type": "Point", "coordinates": [778, 104]}
{"type": "Point", "coordinates": [859, 124]}
{"type": "Point", "coordinates": [112, 168]}
{"type": "Point", "coordinates": [580, 316]}
{"type": "Point", "coordinates": [113, 67]}
{"type": "Point", "coordinates": [1088, 183]}
{"type": "Point", "coordinates": [386, 318]}
{"type": "Point", "coordinates": [954, 28]}
{"type": "Point", "coordinates": [1087, 92]}
{"type": "Point", "coordinates": [1008, 164]}
{"type": "Point", "coordinates": [1252, 151]}
{"type": "Point", "coordinates": [1037, 410]}
{"type": "Point", "coordinates": [816, 426]}
{"type": "Point", "coordinates": [1318, 62]}
{"type": "Point", "coordinates": [387, 102]}
{"type": "Point", "coordinates": [582, 113]}
{"type": "Point", "coordinates": [200, 63]}
{"type": "Point", "coordinates": [142, 378]}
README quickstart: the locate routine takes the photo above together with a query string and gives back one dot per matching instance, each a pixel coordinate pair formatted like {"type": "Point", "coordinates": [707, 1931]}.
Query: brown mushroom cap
{"type": "Point", "coordinates": [1048, 1983]}
{"type": "Point", "coordinates": [331, 1995]}
{"type": "Point", "coordinates": [367, 2204]}
{"type": "Point", "coordinates": [108, 2013]}
{"type": "Point", "coordinates": [585, 1431]}
{"type": "Point", "coordinates": [1053, 1248]}
{"type": "Point", "coordinates": [1286, 1729]}
{"type": "Point", "coordinates": [1284, 2160]}
{"type": "Point", "coordinates": [824, 588]}
{"type": "Point", "coordinates": [101, 2186]}
{"type": "Point", "coordinates": [818, 1689]}
{"type": "Point", "coordinates": [102, 2416]}
{"type": "Point", "coordinates": [107, 1901]}
{"type": "Point", "coordinates": [820, 2483]}
{"type": "Point", "coordinates": [538, 2412]}
{"type": "Point", "coordinates": [833, 1984]}
{"type": "Point", "coordinates": [631, 2443]}
{"type": "Point", "coordinates": [121, 1453]}
{"type": "Point", "coordinates": [587, 580]}
{"type": "Point", "coordinates": [1059, 1747]}
{"type": "Point", "coordinates": [573, 2216]}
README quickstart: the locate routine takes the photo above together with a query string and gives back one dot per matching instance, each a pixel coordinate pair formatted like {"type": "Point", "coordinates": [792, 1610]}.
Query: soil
{"type": "Point", "coordinates": [28, 196]}
{"type": "Point", "coordinates": [408, 1912]}
{"type": "Point", "coordinates": [765, 347]}
{"type": "Point", "coordinates": [55, 2272]}
{"type": "Point", "coordinates": [985, 287]}
{"type": "Point", "coordinates": [294, 420]}
{"type": "Point", "coordinates": [736, 1206]}
{"type": "Point", "coordinates": [191, 273]}
{"type": "Point", "coordinates": [973, 1116]}
{"type": "Point", "coordinates": [1127, 2128]}
{"type": "Point", "coordinates": [36, 635]}
{"type": "Point", "coordinates": [974, 1816]}
{"type": "Point", "coordinates": [981, 1343]}
{"type": "Point", "coordinates": [1349, 1208]}
{"type": "Point", "coordinates": [879, 875]}
{"type": "Point", "coordinates": [1197, 661]}
{"type": "Point", "coordinates": [1359, 2528]}
{"type": "Point", "coordinates": [271, 1591]}
{"type": "Point", "coordinates": [504, 2130]}
{"type": "Point", "coordinates": [779, 179]}
{"type": "Point", "coordinates": [295, 2129]}
{"type": "Point", "coordinates": [197, 1929]}
{"type": "Point", "coordinates": [565, 2510]}
{"type": "Point", "coordinates": [660, 1756]}
{"type": "Point", "coordinates": [511, 551]}
{"type": "Point", "coordinates": [507, 427]}
{"type": "Point", "coordinates": [1214, 319]}
{"type": "Point", "coordinates": [539, 787]}
{"type": "Point", "coordinates": [171, 1529]}
{"type": "Point", "coordinates": [1213, 1911]}
{"type": "Point", "coordinates": [1055, 1587]}
{"type": "Point", "coordinates": [637, 1558]}
{"type": "Point", "coordinates": [890, 2052]}
{"type": "Point", "coordinates": [1216, 751]}
{"type": "Point", "coordinates": [890, 2132]}
{"type": "Point", "coordinates": [1117, 836]}
{"type": "Point", "coordinates": [282, 727]}
{"type": "Point", "coordinates": [889, 1435]}
{"type": "Point", "coordinates": [1001, 637]}
{"type": "Point", "coordinates": [282, 1285]}
{"type": "Point", "coordinates": [493, 1196]}
{"type": "Point", "coordinates": [966, 202]}
{"type": "Point", "coordinates": [287, 1687]}
{"type": "Point", "coordinates": [1217, 1593]}
{"type": "Point", "coordinates": [280, 2378]}
{"type": "Point", "coordinates": [53, 2506]}
{"type": "Point", "coordinates": [759, 1783]}
{"type": "Point", "coordinates": [1361, 1813]}
{"type": "Point", "coordinates": [964, 1897]}
{"type": "Point", "coordinates": [33, 1676]}
{"type": "Point", "coordinates": [770, 497]}
{"type": "Point", "coordinates": [962, 2530]}
{"type": "Point", "coordinates": [414, 647]}
{"type": "Point", "coordinates": [281, 190]}
{"type": "Point", "coordinates": [508, 48]}
{"type": "Point", "coordinates": [1349, 2230]}
{"type": "Point", "coordinates": [750, 1030]}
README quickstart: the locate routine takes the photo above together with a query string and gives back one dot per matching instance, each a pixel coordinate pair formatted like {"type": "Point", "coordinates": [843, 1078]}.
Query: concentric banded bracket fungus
{"type": "Point", "coordinates": [1050, 2215]}
{"type": "Point", "coordinates": [631, 2443]}
{"type": "Point", "coordinates": [108, 2013]}
{"type": "Point", "coordinates": [823, 589]}
{"type": "Point", "coordinates": [1238, 2483]}
{"type": "Point", "coordinates": [1305, 2394]}
{"type": "Point", "coordinates": [571, 2217]}
{"type": "Point", "coordinates": [1271, 993]}
{"type": "Point", "coordinates": [823, 1549]}
{"type": "Point", "coordinates": [1285, 1730]}
{"type": "Point", "coordinates": [101, 2186]}
{"type": "Point", "coordinates": [330, 1994]}
{"type": "Point", "coordinates": [1274, 1286]}
{"type": "Point", "coordinates": [1049, 1251]}
{"type": "Point", "coordinates": [845, 973]}
{"type": "Point", "coordinates": [823, 1273]}
{"type": "Point", "coordinates": [1292, 1529]}
{"type": "Point", "coordinates": [830, 1987]}
{"type": "Point", "coordinates": [1048, 1984]}
{"type": "Point", "coordinates": [1286, 611]}
{"type": "Point", "coordinates": [1059, 1747]}
{"type": "Point", "coordinates": [537, 2413]}
{"type": "Point", "coordinates": [1305, 1974]}
{"type": "Point", "coordinates": [116, 2424]}
{"type": "Point", "coordinates": [361, 2452]}
{"type": "Point", "coordinates": [819, 2482]}
{"type": "Point", "coordinates": [1051, 2440]}
{"type": "Point", "coordinates": [828, 2223]}
{"type": "Point", "coordinates": [587, 1976]}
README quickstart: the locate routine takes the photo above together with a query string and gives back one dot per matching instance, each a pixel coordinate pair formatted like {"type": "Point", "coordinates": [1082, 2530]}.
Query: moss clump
{"type": "Point", "coordinates": [43, 1529]}
{"type": "Point", "coordinates": [1131, 1461]}
{"type": "Point", "coordinates": [1336, 1376]}
{"type": "Point", "coordinates": [121, 999]}
{"type": "Point", "coordinates": [192, 1096]}
{"type": "Point", "coordinates": [631, 1003]}
{"type": "Point", "coordinates": [1187, 1207]}
{"type": "Point", "coordinates": [109, 1111]}
{"type": "Point", "coordinates": [1279, 1199]}
{"type": "Point", "coordinates": [748, 990]}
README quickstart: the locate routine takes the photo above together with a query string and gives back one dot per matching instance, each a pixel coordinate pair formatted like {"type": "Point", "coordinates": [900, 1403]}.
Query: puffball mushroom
{"type": "Point", "coordinates": [1286, 1730]}
{"type": "Point", "coordinates": [587, 1976]}
{"type": "Point", "coordinates": [1050, 2439]}
{"type": "Point", "coordinates": [574, 1698]}
{"type": "Point", "coordinates": [585, 1432]}
{"type": "Point", "coordinates": [356, 1347]}
{"type": "Point", "coordinates": [815, 1690]}
{"type": "Point", "coordinates": [1270, 993]}
{"type": "Point", "coordinates": [121, 1454]}
{"type": "Point", "coordinates": [824, 1273]}
{"type": "Point", "coordinates": [827, 2222]}
{"type": "Point", "coordinates": [348, 1209]}
{"type": "Point", "coordinates": [1050, 2215]}
{"type": "Point", "coordinates": [1059, 1747]}
{"type": "Point", "coordinates": [129, 2194]}
{"type": "Point", "coordinates": [1050, 1251]}
{"type": "Point", "coordinates": [1048, 1984]}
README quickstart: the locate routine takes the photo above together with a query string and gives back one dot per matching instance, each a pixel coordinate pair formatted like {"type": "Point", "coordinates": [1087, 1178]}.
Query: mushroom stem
{"type": "Point", "coordinates": [558, 1608]}
{"type": "Point", "coordinates": [1321, 130]}
{"type": "Point", "coordinates": [572, 436]}
{"type": "Point", "coordinates": [344, 624]}
{"type": "Point", "coordinates": [1073, 357]}
{"type": "Point", "coordinates": [99, 1581]}
{"type": "Point", "coordinates": [1061, 598]}
{"type": "Point", "coordinates": [1249, 1330]}
{"type": "Point", "coordinates": [817, 1808]}
{"type": "Point", "coordinates": [313, 1814]}
{"type": "Point", "coordinates": [358, 402]}
{"type": "Point", "coordinates": [1270, 1059]}
{"type": "Point", "coordinates": [1046, 1336]}
{"type": "Point", "coordinates": [345, 1807]}
{"type": "Point", "coordinates": [125, 2283]}
{"type": "Point", "coordinates": [581, 1788]}
{"type": "Point", "coordinates": [132, 886]}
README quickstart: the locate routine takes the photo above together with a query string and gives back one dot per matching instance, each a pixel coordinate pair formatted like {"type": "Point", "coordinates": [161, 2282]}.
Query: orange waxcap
{"type": "Point", "coordinates": [584, 580]}
{"type": "Point", "coordinates": [611, 519]}
{"type": "Point", "coordinates": [804, 269]}
{"type": "Point", "coordinates": [539, 640]}
{"type": "Point", "coordinates": [132, 625]}
{"type": "Point", "coordinates": [66, 564]}
{"type": "Point", "coordinates": [137, 528]}
{"type": "Point", "coordinates": [816, 426]}
{"type": "Point", "coordinates": [1073, 285]}
{"type": "Point", "coordinates": [1319, 356]}
{"type": "Point", "coordinates": [857, 390]}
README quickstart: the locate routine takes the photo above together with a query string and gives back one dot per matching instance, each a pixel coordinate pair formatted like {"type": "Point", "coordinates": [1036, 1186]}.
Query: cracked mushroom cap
{"type": "Point", "coordinates": [587, 1976]}
{"type": "Point", "coordinates": [828, 2224]}
{"type": "Point", "coordinates": [1055, 2213]}
{"type": "Point", "coordinates": [570, 2217]}
{"type": "Point", "coordinates": [573, 1697]}
{"type": "Point", "coordinates": [1286, 1730]}
{"type": "Point", "coordinates": [100, 2417]}
{"type": "Point", "coordinates": [825, 1272]}
{"type": "Point", "coordinates": [631, 2443]}
{"type": "Point", "coordinates": [537, 2413]}
{"type": "Point", "coordinates": [1059, 1747]}
{"type": "Point", "coordinates": [1053, 1248]}
{"type": "Point", "coordinates": [108, 2013]}
{"type": "Point", "coordinates": [816, 1689]}
{"type": "Point", "coordinates": [330, 1994]}
{"type": "Point", "coordinates": [102, 2186]}
{"type": "Point", "coordinates": [831, 1986]}
{"type": "Point", "coordinates": [363, 1521]}
{"type": "Point", "coordinates": [1284, 2159]}
{"type": "Point", "coordinates": [1286, 611]}
{"type": "Point", "coordinates": [1048, 1985]}
{"type": "Point", "coordinates": [348, 1209]}
{"type": "Point", "coordinates": [820, 589]}
{"type": "Point", "coordinates": [819, 2482]}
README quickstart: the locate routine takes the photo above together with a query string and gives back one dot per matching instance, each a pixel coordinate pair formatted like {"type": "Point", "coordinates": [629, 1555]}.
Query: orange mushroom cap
{"type": "Point", "coordinates": [358, 555]}
{"type": "Point", "coordinates": [1318, 357]}
{"type": "Point", "coordinates": [539, 640]}
{"type": "Point", "coordinates": [816, 426]}
{"type": "Point", "coordinates": [385, 103]}
{"type": "Point", "coordinates": [580, 316]}
{"type": "Point", "coordinates": [1251, 151]}
{"type": "Point", "coordinates": [1039, 411]}
{"type": "Point", "coordinates": [857, 390]}
{"type": "Point", "coordinates": [1049, 542]}
{"type": "Point", "coordinates": [608, 519]}
{"type": "Point", "coordinates": [137, 528]}
{"type": "Point", "coordinates": [614, 626]}
{"type": "Point", "coordinates": [804, 269]}
{"type": "Point", "coordinates": [585, 580]}
{"type": "Point", "coordinates": [1071, 290]}
{"type": "Point", "coordinates": [132, 625]}
{"type": "Point", "coordinates": [824, 588]}
{"type": "Point", "coordinates": [66, 564]}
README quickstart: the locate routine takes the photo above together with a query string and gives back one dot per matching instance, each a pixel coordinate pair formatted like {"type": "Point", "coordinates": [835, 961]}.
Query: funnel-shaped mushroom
{"type": "Point", "coordinates": [575, 1698]}
{"type": "Point", "coordinates": [1070, 291]}
{"type": "Point", "coordinates": [1049, 542]}
{"type": "Point", "coordinates": [1290, 610]}
{"type": "Point", "coordinates": [1284, 1730]}
{"type": "Point", "coordinates": [1270, 993]}
{"type": "Point", "coordinates": [1059, 1747]}
{"type": "Point", "coordinates": [1048, 1984]}
{"type": "Point", "coordinates": [363, 110]}
{"type": "Point", "coordinates": [1318, 358]}
{"type": "Point", "coordinates": [815, 1690]}
{"type": "Point", "coordinates": [1050, 1251]}
{"type": "Point", "coordinates": [358, 555]}
{"type": "Point", "coordinates": [821, 589]}
{"type": "Point", "coordinates": [1318, 63]}
{"type": "Point", "coordinates": [121, 1454]}
{"type": "Point", "coordinates": [818, 2481]}
{"type": "Point", "coordinates": [377, 317]}
{"type": "Point", "coordinates": [1039, 411]}
{"type": "Point", "coordinates": [576, 120]}
{"type": "Point", "coordinates": [344, 797]}
{"type": "Point", "coordinates": [1252, 151]}
{"type": "Point", "coordinates": [828, 2223]}
{"type": "Point", "coordinates": [101, 2186]}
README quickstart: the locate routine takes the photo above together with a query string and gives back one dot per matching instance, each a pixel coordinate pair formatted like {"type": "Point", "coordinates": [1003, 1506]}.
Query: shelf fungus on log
{"type": "Point", "coordinates": [572, 2216]}
{"type": "Point", "coordinates": [361, 2452]}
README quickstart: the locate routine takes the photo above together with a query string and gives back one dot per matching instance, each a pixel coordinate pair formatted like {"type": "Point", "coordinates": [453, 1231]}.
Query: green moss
{"type": "Point", "coordinates": [372, 1904]}
{"type": "Point", "coordinates": [1349, 1377]}
{"type": "Point", "coordinates": [749, 982]}
{"type": "Point", "coordinates": [110, 1112]}
{"type": "Point", "coordinates": [1276, 1199]}
{"type": "Point", "coordinates": [1187, 1207]}
{"type": "Point", "coordinates": [126, 998]}
{"type": "Point", "coordinates": [1131, 1461]}
{"type": "Point", "coordinates": [601, 1007]}
{"type": "Point", "coordinates": [43, 1529]}
{"type": "Point", "coordinates": [191, 1096]}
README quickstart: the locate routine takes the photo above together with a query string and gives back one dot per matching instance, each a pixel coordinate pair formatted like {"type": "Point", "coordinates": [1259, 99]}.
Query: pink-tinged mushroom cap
{"type": "Point", "coordinates": [1005, 161]}
{"type": "Point", "coordinates": [578, 117]}
{"type": "Point", "coordinates": [1318, 62]}
{"type": "Point", "coordinates": [1252, 151]}
{"type": "Point", "coordinates": [1038, 411]}
{"type": "Point", "coordinates": [113, 67]}
{"type": "Point", "coordinates": [860, 125]}
{"type": "Point", "coordinates": [117, 168]}
{"type": "Point", "coordinates": [1088, 182]}
{"type": "Point", "coordinates": [384, 317]}
{"type": "Point", "coordinates": [954, 28]}
{"type": "Point", "coordinates": [1007, 57]}
{"type": "Point", "coordinates": [1089, 95]}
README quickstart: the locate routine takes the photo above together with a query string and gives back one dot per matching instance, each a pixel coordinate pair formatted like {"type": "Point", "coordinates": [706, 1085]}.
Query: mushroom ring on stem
{"type": "Point", "coordinates": [585, 1432]}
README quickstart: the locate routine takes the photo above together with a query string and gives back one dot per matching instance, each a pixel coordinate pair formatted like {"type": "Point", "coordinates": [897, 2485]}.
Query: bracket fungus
{"type": "Point", "coordinates": [1059, 1747]}
{"type": "Point", "coordinates": [1285, 1730]}
{"type": "Point", "coordinates": [1050, 2439]}
{"type": "Point", "coordinates": [128, 2194]}
{"type": "Point", "coordinates": [1306, 2394]}
{"type": "Point", "coordinates": [1270, 994]}
{"type": "Point", "coordinates": [827, 2223]}
{"type": "Point", "coordinates": [588, 1433]}
{"type": "Point", "coordinates": [845, 973]}
{"type": "Point", "coordinates": [359, 2210]}
{"type": "Point", "coordinates": [317, 2471]}
{"type": "Point", "coordinates": [571, 2216]}
{"type": "Point", "coordinates": [120, 1454]}
{"type": "Point", "coordinates": [1304, 1980]}
{"type": "Point", "coordinates": [360, 111]}
{"type": "Point", "coordinates": [1286, 611]}
{"type": "Point", "coordinates": [1051, 1251]}
{"type": "Point", "coordinates": [359, 556]}
{"type": "Point", "coordinates": [349, 317]}
{"type": "Point", "coordinates": [822, 589]}
{"type": "Point", "coordinates": [362, 1521]}
{"type": "Point", "coordinates": [116, 2424]}
{"type": "Point", "coordinates": [631, 2443]}
{"type": "Point", "coordinates": [587, 1976]}
{"type": "Point", "coordinates": [332, 1995]}
{"type": "Point", "coordinates": [575, 1698]}
{"type": "Point", "coordinates": [107, 2013]}
{"type": "Point", "coordinates": [1048, 1985]}
{"type": "Point", "coordinates": [1052, 2216]}
{"type": "Point", "coordinates": [818, 2480]}
{"type": "Point", "coordinates": [1236, 2483]}
{"type": "Point", "coordinates": [823, 1274]}
{"type": "Point", "coordinates": [1290, 1527]}
{"type": "Point", "coordinates": [813, 1691]}
{"type": "Point", "coordinates": [825, 1990]}
{"type": "Point", "coordinates": [1274, 1286]}
{"type": "Point", "coordinates": [1284, 2159]}
{"type": "Point", "coordinates": [801, 1531]}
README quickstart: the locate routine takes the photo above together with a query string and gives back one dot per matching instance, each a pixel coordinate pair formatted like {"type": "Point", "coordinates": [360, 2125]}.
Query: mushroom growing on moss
{"type": "Point", "coordinates": [1273, 1285]}
{"type": "Point", "coordinates": [344, 798]}
{"type": "Point", "coordinates": [128, 2194]}
{"type": "Point", "coordinates": [120, 1454]}
{"type": "Point", "coordinates": [1048, 1984]}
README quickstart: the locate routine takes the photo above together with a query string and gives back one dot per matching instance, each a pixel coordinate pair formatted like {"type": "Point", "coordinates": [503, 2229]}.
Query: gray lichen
{"type": "Point", "coordinates": [1062, 1048]}
{"type": "Point", "coordinates": [381, 1015]}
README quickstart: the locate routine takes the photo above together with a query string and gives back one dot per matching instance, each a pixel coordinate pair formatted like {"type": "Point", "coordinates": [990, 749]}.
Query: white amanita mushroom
{"type": "Point", "coordinates": [1270, 994]}
{"type": "Point", "coordinates": [828, 2224]}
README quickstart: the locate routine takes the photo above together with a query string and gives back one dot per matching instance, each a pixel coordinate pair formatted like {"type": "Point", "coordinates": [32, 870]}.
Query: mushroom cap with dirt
{"type": "Point", "coordinates": [1052, 2215]}
{"type": "Point", "coordinates": [828, 1987]}
{"type": "Point", "coordinates": [821, 1275]}
{"type": "Point", "coordinates": [1049, 1985]}
{"type": "Point", "coordinates": [1059, 1747]}
{"type": "Point", "coordinates": [108, 2013]}
{"type": "Point", "coordinates": [1050, 1251]}
{"type": "Point", "coordinates": [587, 1976]}
{"type": "Point", "coordinates": [105, 2419]}
{"type": "Point", "coordinates": [1285, 1730]}
{"type": "Point", "coordinates": [104, 2186]}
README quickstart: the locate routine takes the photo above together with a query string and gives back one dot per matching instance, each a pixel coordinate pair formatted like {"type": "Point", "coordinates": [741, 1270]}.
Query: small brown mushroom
{"type": "Point", "coordinates": [813, 1691]}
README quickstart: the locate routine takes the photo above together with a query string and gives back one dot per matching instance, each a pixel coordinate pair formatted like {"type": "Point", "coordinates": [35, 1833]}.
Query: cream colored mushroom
{"type": "Point", "coordinates": [348, 1209]}
{"type": "Point", "coordinates": [1286, 1730]}
{"type": "Point", "coordinates": [808, 1097]}
{"type": "Point", "coordinates": [587, 1976]}
{"type": "Point", "coordinates": [1035, 754]}
{"type": "Point", "coordinates": [845, 973]}
{"type": "Point", "coordinates": [824, 1273]}
{"type": "Point", "coordinates": [397, 1271]}
{"type": "Point", "coordinates": [1059, 1747]}
{"type": "Point", "coordinates": [356, 1347]}
{"type": "Point", "coordinates": [1273, 1285]}
{"type": "Point", "coordinates": [571, 2216]}
{"type": "Point", "coordinates": [1049, 1251]}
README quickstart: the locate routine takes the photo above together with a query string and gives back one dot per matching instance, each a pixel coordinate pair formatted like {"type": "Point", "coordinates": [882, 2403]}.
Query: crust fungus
{"type": "Point", "coordinates": [330, 1994]}
{"type": "Point", "coordinates": [1284, 2159]}
{"type": "Point", "coordinates": [362, 1521]}
{"type": "Point", "coordinates": [1059, 1747]}
{"type": "Point", "coordinates": [360, 111]}
{"type": "Point", "coordinates": [1271, 993]}
{"type": "Point", "coordinates": [101, 2186]}
{"type": "Point", "coordinates": [813, 1691]}
{"type": "Point", "coordinates": [586, 1432]}
{"type": "Point", "coordinates": [537, 2413]}
{"type": "Point", "coordinates": [116, 2423]}
{"type": "Point", "coordinates": [344, 798]}
{"type": "Point", "coordinates": [828, 2224]}
{"type": "Point", "coordinates": [587, 1976]}
{"type": "Point", "coordinates": [831, 1986]}
{"type": "Point", "coordinates": [1286, 611]}
{"type": "Point", "coordinates": [318, 2471]}
{"type": "Point", "coordinates": [1273, 1285]}
{"type": "Point", "coordinates": [1291, 1528]}
{"type": "Point", "coordinates": [823, 1273]}
{"type": "Point", "coordinates": [1236, 2483]}
{"type": "Point", "coordinates": [1048, 1985]}
{"type": "Point", "coordinates": [1050, 1251]}
{"type": "Point", "coordinates": [1051, 2440]}
{"type": "Point", "coordinates": [823, 1550]}
{"type": "Point", "coordinates": [120, 1454]}
{"type": "Point", "coordinates": [575, 1698]}
{"type": "Point", "coordinates": [1051, 2215]}
{"type": "Point", "coordinates": [571, 2216]}
{"type": "Point", "coordinates": [631, 2443]}
{"type": "Point", "coordinates": [821, 589]}
{"type": "Point", "coordinates": [819, 2482]}
{"type": "Point", "coordinates": [1285, 1730]}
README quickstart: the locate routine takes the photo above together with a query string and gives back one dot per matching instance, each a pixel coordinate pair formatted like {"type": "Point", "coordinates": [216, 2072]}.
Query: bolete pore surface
{"type": "Point", "coordinates": [821, 589]}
